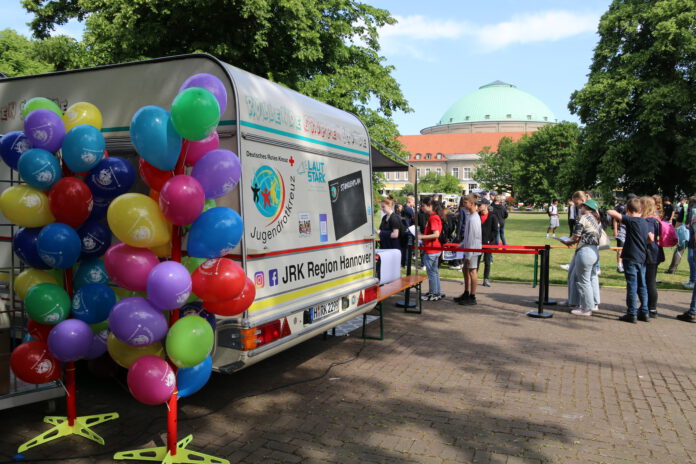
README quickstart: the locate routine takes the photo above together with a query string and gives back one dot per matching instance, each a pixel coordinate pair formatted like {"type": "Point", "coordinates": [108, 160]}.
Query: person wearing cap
{"type": "Point", "coordinates": [582, 274]}
{"type": "Point", "coordinates": [489, 236]}
{"type": "Point", "coordinates": [501, 212]}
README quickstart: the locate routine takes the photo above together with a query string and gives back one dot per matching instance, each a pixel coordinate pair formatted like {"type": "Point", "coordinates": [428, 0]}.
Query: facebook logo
{"type": "Point", "coordinates": [273, 277]}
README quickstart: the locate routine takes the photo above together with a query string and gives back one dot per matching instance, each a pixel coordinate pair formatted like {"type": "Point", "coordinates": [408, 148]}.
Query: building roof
{"type": "Point", "coordinates": [497, 101]}
{"type": "Point", "coordinates": [449, 144]}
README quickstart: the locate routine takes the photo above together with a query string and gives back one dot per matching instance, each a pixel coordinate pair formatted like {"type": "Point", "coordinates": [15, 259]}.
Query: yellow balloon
{"type": "Point", "coordinates": [136, 220]}
{"type": "Point", "coordinates": [27, 279]}
{"type": "Point", "coordinates": [162, 251]}
{"type": "Point", "coordinates": [82, 113]}
{"type": "Point", "coordinates": [26, 206]}
{"type": "Point", "coordinates": [125, 354]}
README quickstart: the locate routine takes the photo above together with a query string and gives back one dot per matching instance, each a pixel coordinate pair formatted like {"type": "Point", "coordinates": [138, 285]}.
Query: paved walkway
{"type": "Point", "coordinates": [456, 384]}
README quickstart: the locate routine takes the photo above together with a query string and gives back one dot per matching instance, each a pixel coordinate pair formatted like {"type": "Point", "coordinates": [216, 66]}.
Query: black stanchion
{"type": "Point", "coordinates": [543, 287]}
{"type": "Point", "coordinates": [548, 301]}
{"type": "Point", "coordinates": [407, 303]}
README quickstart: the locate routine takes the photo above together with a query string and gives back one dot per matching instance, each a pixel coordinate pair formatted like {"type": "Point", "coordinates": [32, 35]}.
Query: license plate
{"type": "Point", "coordinates": [322, 311]}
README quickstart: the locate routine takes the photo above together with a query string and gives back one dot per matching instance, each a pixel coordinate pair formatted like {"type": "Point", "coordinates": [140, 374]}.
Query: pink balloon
{"type": "Point", "coordinates": [196, 149]}
{"type": "Point", "coordinates": [151, 380]}
{"type": "Point", "coordinates": [129, 266]}
{"type": "Point", "coordinates": [182, 199]}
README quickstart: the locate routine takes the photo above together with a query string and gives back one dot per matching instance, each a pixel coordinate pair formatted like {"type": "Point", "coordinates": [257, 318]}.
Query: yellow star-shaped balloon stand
{"type": "Point", "coordinates": [82, 426]}
{"type": "Point", "coordinates": [162, 454]}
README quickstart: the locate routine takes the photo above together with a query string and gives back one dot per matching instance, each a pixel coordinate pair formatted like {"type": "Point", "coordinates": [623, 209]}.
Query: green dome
{"type": "Point", "coordinates": [497, 101]}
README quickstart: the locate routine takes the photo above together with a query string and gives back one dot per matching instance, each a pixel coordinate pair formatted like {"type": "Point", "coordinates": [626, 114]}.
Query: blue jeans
{"type": "Point", "coordinates": [583, 284]}
{"type": "Point", "coordinates": [635, 287]}
{"type": "Point", "coordinates": [692, 264]}
{"type": "Point", "coordinates": [500, 238]}
{"type": "Point", "coordinates": [430, 262]}
{"type": "Point", "coordinates": [692, 308]}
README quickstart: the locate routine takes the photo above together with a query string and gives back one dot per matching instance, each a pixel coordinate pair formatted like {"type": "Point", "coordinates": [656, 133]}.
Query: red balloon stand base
{"type": "Point", "coordinates": [72, 424]}
{"type": "Point", "coordinates": [165, 456]}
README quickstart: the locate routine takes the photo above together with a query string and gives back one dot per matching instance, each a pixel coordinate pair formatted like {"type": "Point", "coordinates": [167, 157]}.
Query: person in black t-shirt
{"type": "Point", "coordinates": [390, 226]}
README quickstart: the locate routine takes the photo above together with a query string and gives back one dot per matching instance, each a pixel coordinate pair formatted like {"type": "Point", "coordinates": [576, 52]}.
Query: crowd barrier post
{"type": "Point", "coordinates": [543, 288]}
{"type": "Point", "coordinates": [536, 266]}
{"type": "Point", "coordinates": [406, 303]}
{"type": "Point", "coordinates": [547, 257]}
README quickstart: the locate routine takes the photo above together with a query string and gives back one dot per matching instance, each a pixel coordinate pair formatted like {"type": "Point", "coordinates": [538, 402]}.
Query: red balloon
{"type": "Point", "coordinates": [38, 332]}
{"type": "Point", "coordinates": [70, 201]}
{"type": "Point", "coordinates": [236, 305]}
{"type": "Point", "coordinates": [218, 280]}
{"type": "Point", "coordinates": [33, 363]}
{"type": "Point", "coordinates": [153, 177]}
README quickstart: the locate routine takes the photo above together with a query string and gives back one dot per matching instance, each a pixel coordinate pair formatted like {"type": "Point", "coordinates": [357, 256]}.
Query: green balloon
{"type": "Point", "coordinates": [191, 263]}
{"type": "Point", "coordinates": [195, 113]}
{"type": "Point", "coordinates": [99, 326]}
{"type": "Point", "coordinates": [37, 103]}
{"type": "Point", "coordinates": [47, 303]}
{"type": "Point", "coordinates": [189, 341]}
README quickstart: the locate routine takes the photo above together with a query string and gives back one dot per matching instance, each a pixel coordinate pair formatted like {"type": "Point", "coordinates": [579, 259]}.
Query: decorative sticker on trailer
{"type": "Point", "coordinates": [347, 203]}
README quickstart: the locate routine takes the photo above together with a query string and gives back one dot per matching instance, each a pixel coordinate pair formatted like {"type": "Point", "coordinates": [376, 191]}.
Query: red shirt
{"type": "Point", "coordinates": [431, 246]}
{"type": "Point", "coordinates": [484, 217]}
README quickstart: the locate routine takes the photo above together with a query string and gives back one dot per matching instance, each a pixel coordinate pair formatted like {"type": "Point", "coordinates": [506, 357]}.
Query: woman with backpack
{"type": "Point", "coordinates": [655, 255]}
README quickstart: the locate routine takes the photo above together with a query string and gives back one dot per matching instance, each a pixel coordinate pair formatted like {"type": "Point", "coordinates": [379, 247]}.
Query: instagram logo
{"type": "Point", "coordinates": [259, 280]}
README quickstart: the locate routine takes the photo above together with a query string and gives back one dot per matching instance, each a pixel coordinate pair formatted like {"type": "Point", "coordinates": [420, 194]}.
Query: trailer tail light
{"type": "Point", "coordinates": [264, 334]}
{"type": "Point", "coordinates": [371, 293]}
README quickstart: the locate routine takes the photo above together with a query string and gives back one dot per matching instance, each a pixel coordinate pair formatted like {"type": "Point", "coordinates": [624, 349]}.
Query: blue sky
{"type": "Point", "coordinates": [444, 49]}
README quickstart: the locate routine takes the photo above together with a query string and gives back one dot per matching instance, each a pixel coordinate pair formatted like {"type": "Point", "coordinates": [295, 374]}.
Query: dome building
{"type": "Point", "coordinates": [473, 123]}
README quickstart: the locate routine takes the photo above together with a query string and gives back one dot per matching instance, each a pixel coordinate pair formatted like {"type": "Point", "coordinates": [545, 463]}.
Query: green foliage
{"type": "Point", "coordinates": [20, 56]}
{"type": "Point", "coordinates": [436, 183]}
{"type": "Point", "coordinates": [639, 100]}
{"type": "Point", "coordinates": [327, 49]}
{"type": "Point", "coordinates": [495, 169]}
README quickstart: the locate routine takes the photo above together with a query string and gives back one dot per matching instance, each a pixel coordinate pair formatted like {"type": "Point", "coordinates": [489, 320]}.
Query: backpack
{"type": "Point", "coordinates": [682, 236]}
{"type": "Point", "coordinates": [668, 236]}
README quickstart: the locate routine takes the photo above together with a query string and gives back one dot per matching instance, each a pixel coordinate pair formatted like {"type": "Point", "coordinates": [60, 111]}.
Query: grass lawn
{"type": "Point", "coordinates": [530, 229]}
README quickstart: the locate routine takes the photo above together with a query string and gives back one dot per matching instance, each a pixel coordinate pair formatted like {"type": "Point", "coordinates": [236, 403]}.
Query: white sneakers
{"type": "Point", "coordinates": [565, 267]}
{"type": "Point", "coordinates": [688, 285]}
{"type": "Point", "coordinates": [580, 312]}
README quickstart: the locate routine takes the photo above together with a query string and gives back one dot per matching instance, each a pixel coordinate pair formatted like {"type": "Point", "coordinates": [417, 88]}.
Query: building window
{"type": "Point", "coordinates": [466, 118]}
{"type": "Point", "coordinates": [509, 116]}
{"type": "Point", "coordinates": [428, 156]}
{"type": "Point", "coordinates": [467, 173]}
{"type": "Point", "coordinates": [417, 173]}
{"type": "Point", "coordinates": [386, 175]}
{"type": "Point", "coordinates": [396, 175]}
{"type": "Point", "coordinates": [438, 156]}
{"type": "Point", "coordinates": [439, 171]}
{"type": "Point", "coordinates": [451, 119]}
{"type": "Point", "coordinates": [488, 116]}
{"type": "Point", "coordinates": [529, 117]}
{"type": "Point", "coordinates": [427, 171]}
{"type": "Point", "coordinates": [455, 172]}
{"type": "Point", "coordinates": [418, 156]}
{"type": "Point", "coordinates": [473, 187]}
{"type": "Point", "coordinates": [546, 118]}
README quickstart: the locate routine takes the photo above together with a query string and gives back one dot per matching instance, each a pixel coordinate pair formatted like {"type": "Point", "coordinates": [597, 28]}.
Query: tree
{"type": "Point", "coordinates": [327, 49]}
{"type": "Point", "coordinates": [436, 183]}
{"type": "Point", "coordinates": [639, 103]}
{"type": "Point", "coordinates": [495, 169]}
{"type": "Point", "coordinates": [20, 56]}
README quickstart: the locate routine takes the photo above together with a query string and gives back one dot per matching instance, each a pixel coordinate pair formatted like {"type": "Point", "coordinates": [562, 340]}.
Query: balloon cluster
{"type": "Point", "coordinates": [76, 197]}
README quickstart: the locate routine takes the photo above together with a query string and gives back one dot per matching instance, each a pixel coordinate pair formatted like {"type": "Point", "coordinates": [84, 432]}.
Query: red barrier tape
{"type": "Point", "coordinates": [482, 250]}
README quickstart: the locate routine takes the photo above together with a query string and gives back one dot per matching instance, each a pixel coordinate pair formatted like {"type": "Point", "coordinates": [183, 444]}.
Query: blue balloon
{"type": "Point", "coordinates": [12, 145]}
{"type": "Point", "coordinates": [112, 177]}
{"type": "Point", "coordinates": [39, 168]}
{"type": "Point", "coordinates": [99, 208]}
{"type": "Point", "coordinates": [91, 271]}
{"type": "Point", "coordinates": [92, 303]}
{"type": "Point", "coordinates": [59, 245]}
{"type": "Point", "coordinates": [215, 233]}
{"type": "Point", "coordinates": [24, 245]}
{"type": "Point", "coordinates": [95, 238]}
{"type": "Point", "coordinates": [154, 137]}
{"type": "Point", "coordinates": [191, 379]}
{"type": "Point", "coordinates": [83, 148]}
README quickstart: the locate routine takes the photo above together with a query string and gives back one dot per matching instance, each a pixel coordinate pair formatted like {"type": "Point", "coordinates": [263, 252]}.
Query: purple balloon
{"type": "Point", "coordinates": [168, 285]}
{"type": "Point", "coordinates": [98, 346]}
{"type": "Point", "coordinates": [44, 129]}
{"type": "Point", "coordinates": [70, 339]}
{"type": "Point", "coordinates": [136, 322]}
{"type": "Point", "coordinates": [210, 83]}
{"type": "Point", "coordinates": [218, 171]}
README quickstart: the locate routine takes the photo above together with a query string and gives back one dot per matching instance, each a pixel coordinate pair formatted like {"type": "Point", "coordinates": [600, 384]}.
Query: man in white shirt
{"type": "Point", "coordinates": [553, 218]}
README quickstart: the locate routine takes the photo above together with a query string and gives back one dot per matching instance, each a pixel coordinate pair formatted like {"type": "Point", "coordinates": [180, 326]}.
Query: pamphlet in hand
{"type": "Point", "coordinates": [562, 239]}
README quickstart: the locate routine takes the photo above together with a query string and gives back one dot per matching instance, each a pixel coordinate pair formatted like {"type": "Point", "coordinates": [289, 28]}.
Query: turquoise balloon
{"type": "Point", "coordinates": [39, 168]}
{"type": "Point", "coordinates": [91, 271]}
{"type": "Point", "coordinates": [154, 137]}
{"type": "Point", "coordinates": [83, 148]}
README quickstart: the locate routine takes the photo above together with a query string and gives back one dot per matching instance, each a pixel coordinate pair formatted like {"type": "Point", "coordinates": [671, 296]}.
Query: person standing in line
{"type": "Point", "coordinates": [655, 255]}
{"type": "Point", "coordinates": [432, 249]}
{"type": "Point", "coordinates": [576, 201]}
{"type": "Point", "coordinates": [634, 255]}
{"type": "Point", "coordinates": [678, 218]}
{"type": "Point", "coordinates": [389, 227]}
{"type": "Point", "coordinates": [667, 209]}
{"type": "Point", "coordinates": [462, 214]}
{"type": "Point", "coordinates": [573, 213]}
{"type": "Point", "coordinates": [691, 244]}
{"type": "Point", "coordinates": [489, 231]}
{"type": "Point", "coordinates": [471, 240]}
{"type": "Point", "coordinates": [410, 210]}
{"type": "Point", "coordinates": [620, 233]}
{"type": "Point", "coordinates": [552, 211]}
{"type": "Point", "coordinates": [501, 212]}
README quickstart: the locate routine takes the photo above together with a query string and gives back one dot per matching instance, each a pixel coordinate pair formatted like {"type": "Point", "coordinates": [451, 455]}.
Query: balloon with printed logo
{"type": "Point", "coordinates": [155, 138]}
{"type": "Point", "coordinates": [39, 168]}
{"type": "Point", "coordinates": [12, 145]}
{"type": "Point", "coordinates": [92, 303]}
{"type": "Point", "coordinates": [70, 201]}
{"type": "Point", "coordinates": [192, 379]}
{"type": "Point", "coordinates": [236, 305]}
{"type": "Point", "coordinates": [24, 244]}
{"type": "Point", "coordinates": [194, 150]}
{"type": "Point", "coordinates": [129, 267]}
{"type": "Point", "coordinates": [32, 362]}
{"type": "Point", "coordinates": [95, 238]}
{"type": "Point", "coordinates": [100, 206]}
{"type": "Point", "coordinates": [182, 199]}
{"type": "Point", "coordinates": [59, 245]}
{"type": "Point", "coordinates": [168, 285]}
{"type": "Point", "coordinates": [44, 129]}
{"type": "Point", "coordinates": [195, 113]}
{"type": "Point", "coordinates": [38, 331]}
{"type": "Point", "coordinates": [38, 103]}
{"type": "Point", "coordinates": [26, 206]}
{"type": "Point", "coordinates": [110, 178]}
{"type": "Point", "coordinates": [82, 113]}
{"type": "Point", "coordinates": [215, 233]}
{"type": "Point", "coordinates": [98, 345]}
{"type": "Point", "coordinates": [30, 277]}
{"type": "Point", "coordinates": [218, 171]}
{"type": "Point", "coordinates": [125, 355]}
{"type": "Point", "coordinates": [211, 84]}
{"type": "Point", "coordinates": [83, 148]}
{"type": "Point", "coordinates": [195, 308]}
{"type": "Point", "coordinates": [136, 219]}
{"type": "Point", "coordinates": [218, 280]}
{"type": "Point", "coordinates": [137, 322]}
{"type": "Point", "coordinates": [90, 271]}
{"type": "Point", "coordinates": [189, 341]}
{"type": "Point", "coordinates": [151, 380]}
{"type": "Point", "coordinates": [154, 178]}
{"type": "Point", "coordinates": [70, 340]}
{"type": "Point", "coordinates": [47, 303]}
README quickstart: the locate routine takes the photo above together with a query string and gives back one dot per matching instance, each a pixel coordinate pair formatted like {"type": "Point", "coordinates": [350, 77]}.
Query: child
{"type": "Point", "coordinates": [432, 250]}
{"type": "Point", "coordinates": [471, 239]}
{"type": "Point", "coordinates": [553, 218]}
{"type": "Point", "coordinates": [634, 256]}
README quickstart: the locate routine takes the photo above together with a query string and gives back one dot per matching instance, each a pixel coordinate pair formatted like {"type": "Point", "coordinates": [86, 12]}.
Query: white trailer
{"type": "Point", "coordinates": [305, 194]}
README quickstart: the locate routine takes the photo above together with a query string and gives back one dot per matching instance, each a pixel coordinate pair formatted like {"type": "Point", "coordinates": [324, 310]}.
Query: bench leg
{"type": "Point", "coordinates": [381, 324]}
{"type": "Point", "coordinates": [420, 302]}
